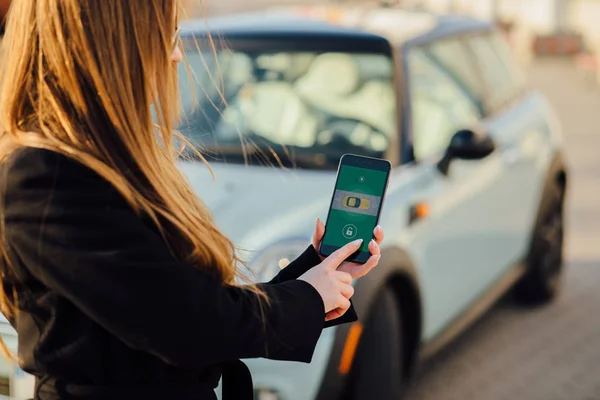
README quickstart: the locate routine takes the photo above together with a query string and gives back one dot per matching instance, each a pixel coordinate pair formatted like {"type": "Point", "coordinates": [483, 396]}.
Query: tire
{"type": "Point", "coordinates": [377, 372]}
{"type": "Point", "coordinates": [542, 281]}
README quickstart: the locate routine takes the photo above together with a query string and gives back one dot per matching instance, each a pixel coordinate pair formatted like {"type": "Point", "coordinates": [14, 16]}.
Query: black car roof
{"type": "Point", "coordinates": [395, 25]}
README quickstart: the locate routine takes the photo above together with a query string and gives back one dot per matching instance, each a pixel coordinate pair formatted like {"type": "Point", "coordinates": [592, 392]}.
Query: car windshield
{"type": "Point", "coordinates": [300, 108]}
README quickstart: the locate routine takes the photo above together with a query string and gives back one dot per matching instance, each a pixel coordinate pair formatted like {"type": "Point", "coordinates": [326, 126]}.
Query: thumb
{"type": "Point", "coordinates": [318, 235]}
{"type": "Point", "coordinates": [340, 255]}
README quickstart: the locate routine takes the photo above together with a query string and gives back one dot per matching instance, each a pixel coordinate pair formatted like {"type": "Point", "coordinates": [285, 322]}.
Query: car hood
{"type": "Point", "coordinates": [256, 206]}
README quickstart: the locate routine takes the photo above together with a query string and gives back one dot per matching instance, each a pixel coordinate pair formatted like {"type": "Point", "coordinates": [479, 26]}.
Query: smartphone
{"type": "Point", "coordinates": [356, 204]}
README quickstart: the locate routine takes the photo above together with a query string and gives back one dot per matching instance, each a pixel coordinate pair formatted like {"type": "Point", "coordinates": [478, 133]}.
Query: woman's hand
{"type": "Point", "coordinates": [334, 286]}
{"type": "Point", "coordinates": [354, 269]}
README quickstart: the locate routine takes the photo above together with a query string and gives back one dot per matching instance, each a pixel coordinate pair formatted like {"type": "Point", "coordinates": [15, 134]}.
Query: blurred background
{"type": "Point", "coordinates": [534, 27]}
{"type": "Point", "coordinates": [552, 352]}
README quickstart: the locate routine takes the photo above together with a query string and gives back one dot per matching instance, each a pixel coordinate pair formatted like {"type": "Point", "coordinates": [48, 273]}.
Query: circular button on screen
{"type": "Point", "coordinates": [349, 231]}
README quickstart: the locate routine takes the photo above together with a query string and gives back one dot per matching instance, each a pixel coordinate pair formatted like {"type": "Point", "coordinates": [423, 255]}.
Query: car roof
{"type": "Point", "coordinates": [395, 25]}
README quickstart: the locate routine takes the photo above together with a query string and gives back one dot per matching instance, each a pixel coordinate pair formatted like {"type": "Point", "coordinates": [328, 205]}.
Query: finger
{"type": "Point", "coordinates": [374, 248]}
{"type": "Point", "coordinates": [335, 259]}
{"type": "Point", "coordinates": [346, 290]}
{"type": "Point", "coordinates": [334, 314]}
{"type": "Point", "coordinates": [368, 266]}
{"type": "Point", "coordinates": [318, 235]}
{"type": "Point", "coordinates": [342, 276]}
{"type": "Point", "coordinates": [343, 304]}
{"type": "Point", "coordinates": [379, 234]}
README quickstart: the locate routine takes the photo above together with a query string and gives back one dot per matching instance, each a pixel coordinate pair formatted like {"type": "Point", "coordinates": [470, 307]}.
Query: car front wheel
{"type": "Point", "coordinates": [377, 370]}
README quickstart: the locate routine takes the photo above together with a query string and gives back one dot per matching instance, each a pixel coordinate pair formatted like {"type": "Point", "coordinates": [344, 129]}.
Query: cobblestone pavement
{"type": "Point", "coordinates": [550, 353]}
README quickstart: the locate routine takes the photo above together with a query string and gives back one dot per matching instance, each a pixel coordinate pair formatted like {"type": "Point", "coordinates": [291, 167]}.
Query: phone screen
{"type": "Point", "coordinates": [356, 204]}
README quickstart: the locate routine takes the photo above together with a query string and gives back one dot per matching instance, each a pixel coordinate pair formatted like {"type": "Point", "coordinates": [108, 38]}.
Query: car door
{"type": "Point", "coordinates": [516, 122]}
{"type": "Point", "coordinates": [454, 244]}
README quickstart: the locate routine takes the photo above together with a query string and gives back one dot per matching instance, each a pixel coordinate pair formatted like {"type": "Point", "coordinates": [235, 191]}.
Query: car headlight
{"type": "Point", "coordinates": [267, 263]}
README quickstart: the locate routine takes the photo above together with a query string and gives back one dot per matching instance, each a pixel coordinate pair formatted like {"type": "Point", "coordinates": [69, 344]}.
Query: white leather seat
{"type": "Point", "coordinates": [334, 84]}
{"type": "Point", "coordinates": [273, 110]}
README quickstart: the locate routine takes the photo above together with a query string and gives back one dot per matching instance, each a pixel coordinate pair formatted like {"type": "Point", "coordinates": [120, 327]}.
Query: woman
{"type": "Point", "coordinates": [102, 238]}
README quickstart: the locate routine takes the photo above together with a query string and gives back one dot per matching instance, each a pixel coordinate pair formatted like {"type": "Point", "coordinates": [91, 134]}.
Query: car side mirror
{"type": "Point", "coordinates": [467, 144]}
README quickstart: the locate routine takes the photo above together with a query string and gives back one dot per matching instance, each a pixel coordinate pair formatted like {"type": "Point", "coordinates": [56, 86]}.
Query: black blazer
{"type": "Point", "coordinates": [105, 310]}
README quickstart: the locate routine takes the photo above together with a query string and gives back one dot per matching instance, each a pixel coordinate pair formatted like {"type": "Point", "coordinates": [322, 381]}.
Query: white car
{"type": "Point", "coordinates": [20, 384]}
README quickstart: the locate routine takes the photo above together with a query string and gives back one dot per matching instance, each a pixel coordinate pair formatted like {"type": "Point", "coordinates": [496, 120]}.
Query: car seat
{"type": "Point", "coordinates": [351, 87]}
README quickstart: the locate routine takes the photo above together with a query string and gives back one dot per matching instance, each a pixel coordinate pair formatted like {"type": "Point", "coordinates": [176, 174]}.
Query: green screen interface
{"type": "Point", "coordinates": [355, 207]}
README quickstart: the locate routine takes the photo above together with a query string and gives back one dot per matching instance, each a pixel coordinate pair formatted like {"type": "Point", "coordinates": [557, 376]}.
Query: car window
{"type": "Point", "coordinates": [509, 60]}
{"type": "Point", "coordinates": [439, 105]}
{"type": "Point", "coordinates": [502, 77]}
{"type": "Point", "coordinates": [454, 57]}
{"type": "Point", "coordinates": [315, 106]}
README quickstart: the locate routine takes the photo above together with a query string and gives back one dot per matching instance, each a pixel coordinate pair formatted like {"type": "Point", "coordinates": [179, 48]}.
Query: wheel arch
{"type": "Point", "coordinates": [557, 174]}
{"type": "Point", "coordinates": [533, 287]}
{"type": "Point", "coordinates": [408, 297]}
{"type": "Point", "coordinates": [561, 178]}
{"type": "Point", "coordinates": [398, 271]}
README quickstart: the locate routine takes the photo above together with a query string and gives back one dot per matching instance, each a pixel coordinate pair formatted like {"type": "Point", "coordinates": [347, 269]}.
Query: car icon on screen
{"type": "Point", "coordinates": [356, 202]}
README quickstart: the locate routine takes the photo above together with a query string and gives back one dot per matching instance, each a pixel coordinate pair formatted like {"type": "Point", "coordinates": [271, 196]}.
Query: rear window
{"type": "Point", "coordinates": [502, 76]}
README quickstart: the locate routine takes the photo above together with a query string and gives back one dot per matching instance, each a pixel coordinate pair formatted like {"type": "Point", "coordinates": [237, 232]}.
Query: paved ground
{"type": "Point", "coordinates": [551, 353]}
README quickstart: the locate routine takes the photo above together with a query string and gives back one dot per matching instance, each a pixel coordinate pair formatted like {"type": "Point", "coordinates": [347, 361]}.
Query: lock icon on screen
{"type": "Point", "coordinates": [349, 231]}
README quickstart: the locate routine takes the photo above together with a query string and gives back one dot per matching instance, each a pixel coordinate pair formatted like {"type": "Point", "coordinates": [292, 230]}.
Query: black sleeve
{"type": "Point", "coordinates": [75, 234]}
{"type": "Point", "coordinates": [305, 261]}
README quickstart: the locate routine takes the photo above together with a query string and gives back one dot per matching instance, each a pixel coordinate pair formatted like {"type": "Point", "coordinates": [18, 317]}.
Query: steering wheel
{"type": "Point", "coordinates": [340, 131]}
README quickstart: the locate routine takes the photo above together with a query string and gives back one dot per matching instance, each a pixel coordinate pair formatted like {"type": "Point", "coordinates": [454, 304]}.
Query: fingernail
{"type": "Point", "coordinates": [357, 242]}
{"type": "Point", "coordinates": [373, 242]}
{"type": "Point", "coordinates": [378, 228]}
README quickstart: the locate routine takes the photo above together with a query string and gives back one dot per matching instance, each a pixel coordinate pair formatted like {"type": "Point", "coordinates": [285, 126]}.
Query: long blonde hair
{"type": "Point", "coordinates": [81, 77]}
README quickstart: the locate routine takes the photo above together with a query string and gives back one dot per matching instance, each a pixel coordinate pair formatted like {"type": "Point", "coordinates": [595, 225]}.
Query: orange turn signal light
{"type": "Point", "coordinates": [422, 210]}
{"type": "Point", "coordinates": [419, 211]}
